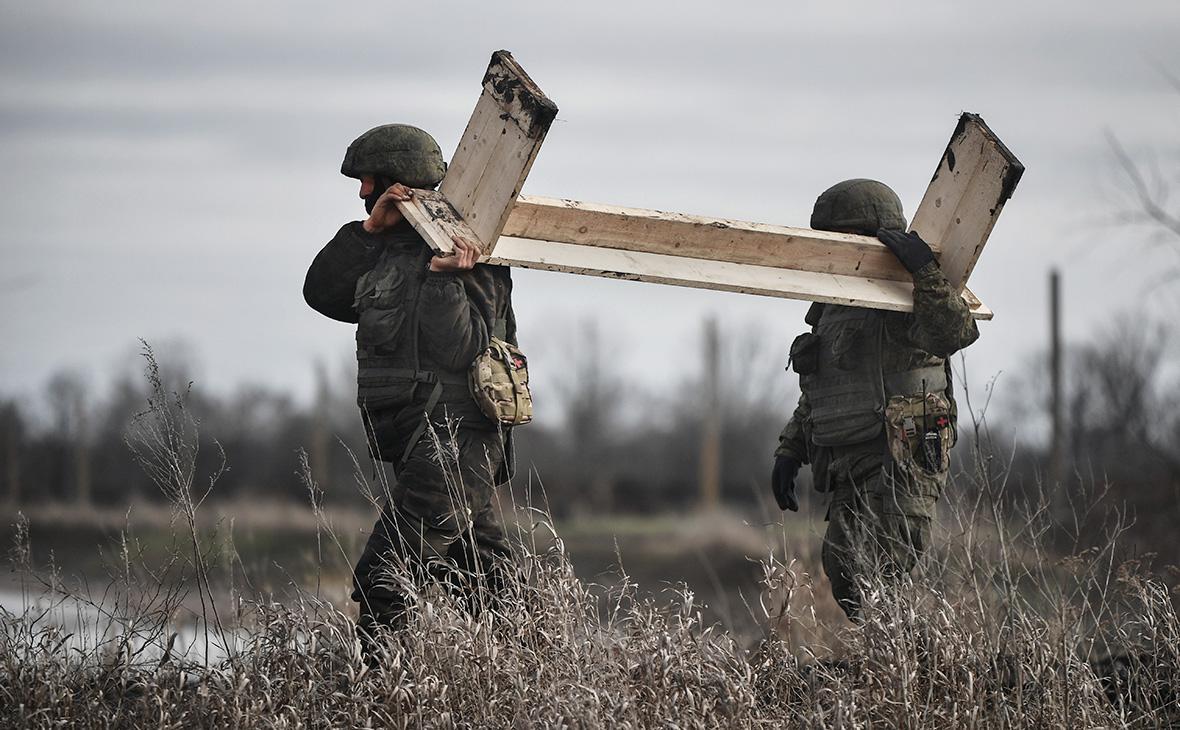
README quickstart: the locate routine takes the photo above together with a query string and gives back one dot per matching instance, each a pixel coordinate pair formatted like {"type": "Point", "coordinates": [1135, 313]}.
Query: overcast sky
{"type": "Point", "coordinates": [170, 174]}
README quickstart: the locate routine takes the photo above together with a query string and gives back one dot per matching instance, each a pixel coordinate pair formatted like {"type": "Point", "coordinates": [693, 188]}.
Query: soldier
{"type": "Point", "coordinates": [422, 319]}
{"type": "Point", "coordinates": [876, 418]}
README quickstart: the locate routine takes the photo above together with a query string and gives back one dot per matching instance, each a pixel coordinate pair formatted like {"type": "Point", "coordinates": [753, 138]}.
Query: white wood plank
{"type": "Point", "coordinates": [718, 239]}
{"type": "Point", "coordinates": [976, 176]}
{"type": "Point", "coordinates": [715, 275]}
{"type": "Point", "coordinates": [512, 156]}
{"type": "Point", "coordinates": [479, 199]}
{"type": "Point", "coordinates": [498, 147]}
{"type": "Point", "coordinates": [474, 151]}
{"type": "Point", "coordinates": [435, 219]}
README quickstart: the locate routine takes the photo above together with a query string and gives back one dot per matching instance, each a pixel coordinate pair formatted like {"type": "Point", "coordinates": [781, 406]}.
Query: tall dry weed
{"type": "Point", "coordinates": [993, 630]}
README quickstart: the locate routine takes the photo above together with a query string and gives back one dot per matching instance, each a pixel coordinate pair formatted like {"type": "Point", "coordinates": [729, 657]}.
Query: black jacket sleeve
{"type": "Point", "coordinates": [452, 330]}
{"type": "Point", "coordinates": [793, 440]}
{"type": "Point", "coordinates": [330, 286]}
{"type": "Point", "coordinates": [457, 314]}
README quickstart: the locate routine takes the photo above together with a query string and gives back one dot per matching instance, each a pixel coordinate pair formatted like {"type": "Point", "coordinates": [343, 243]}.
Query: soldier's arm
{"type": "Point", "coordinates": [452, 328]}
{"type": "Point", "coordinates": [793, 440]}
{"type": "Point", "coordinates": [942, 323]}
{"type": "Point", "coordinates": [330, 285]}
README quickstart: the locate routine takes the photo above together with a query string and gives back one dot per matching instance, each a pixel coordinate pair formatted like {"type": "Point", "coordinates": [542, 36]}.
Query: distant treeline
{"type": "Point", "coordinates": [612, 446]}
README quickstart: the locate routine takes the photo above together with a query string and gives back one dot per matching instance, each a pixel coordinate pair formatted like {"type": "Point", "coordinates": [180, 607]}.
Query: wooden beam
{"type": "Point", "coordinates": [478, 199]}
{"type": "Point", "coordinates": [974, 179]}
{"type": "Point", "coordinates": [716, 239]}
{"type": "Point", "coordinates": [435, 219]}
{"type": "Point", "coordinates": [498, 147]}
{"type": "Point", "coordinates": [491, 162]}
{"type": "Point", "coordinates": [717, 275]}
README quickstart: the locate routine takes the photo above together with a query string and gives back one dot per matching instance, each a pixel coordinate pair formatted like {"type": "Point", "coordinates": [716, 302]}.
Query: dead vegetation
{"type": "Point", "coordinates": [992, 632]}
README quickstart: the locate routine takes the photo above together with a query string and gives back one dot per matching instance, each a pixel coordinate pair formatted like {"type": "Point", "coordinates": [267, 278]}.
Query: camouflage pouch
{"type": "Point", "coordinates": [920, 436]}
{"type": "Point", "coordinates": [500, 384]}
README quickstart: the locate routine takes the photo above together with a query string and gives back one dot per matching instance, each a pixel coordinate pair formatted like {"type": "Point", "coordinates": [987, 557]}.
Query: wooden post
{"type": "Point", "coordinates": [321, 468]}
{"type": "Point", "coordinates": [12, 455]}
{"type": "Point", "coordinates": [81, 451]}
{"type": "Point", "coordinates": [1056, 393]}
{"type": "Point", "coordinates": [710, 455]}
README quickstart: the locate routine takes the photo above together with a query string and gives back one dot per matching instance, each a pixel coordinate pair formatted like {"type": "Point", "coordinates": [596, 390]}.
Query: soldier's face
{"type": "Point", "coordinates": [368, 184]}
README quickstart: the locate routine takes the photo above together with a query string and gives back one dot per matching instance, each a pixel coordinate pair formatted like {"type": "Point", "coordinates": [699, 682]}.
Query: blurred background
{"type": "Point", "coordinates": [168, 174]}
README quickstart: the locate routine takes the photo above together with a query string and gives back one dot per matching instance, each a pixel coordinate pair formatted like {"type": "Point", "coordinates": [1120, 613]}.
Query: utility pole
{"type": "Point", "coordinates": [11, 419]}
{"type": "Point", "coordinates": [710, 454]}
{"type": "Point", "coordinates": [82, 481]}
{"type": "Point", "coordinates": [320, 427]}
{"type": "Point", "coordinates": [1056, 397]}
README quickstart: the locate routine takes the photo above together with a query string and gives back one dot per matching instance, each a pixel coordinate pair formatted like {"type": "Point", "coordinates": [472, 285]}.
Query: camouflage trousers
{"type": "Point", "coordinates": [878, 520]}
{"type": "Point", "coordinates": [438, 524]}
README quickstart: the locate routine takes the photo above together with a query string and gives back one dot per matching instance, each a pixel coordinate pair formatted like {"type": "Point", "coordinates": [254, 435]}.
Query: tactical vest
{"type": "Point", "coordinates": [389, 368]}
{"type": "Point", "coordinates": [847, 387]}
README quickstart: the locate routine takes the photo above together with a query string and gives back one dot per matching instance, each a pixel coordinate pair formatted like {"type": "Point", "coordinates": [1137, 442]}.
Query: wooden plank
{"type": "Point", "coordinates": [498, 147]}
{"type": "Point", "coordinates": [677, 234]}
{"type": "Point", "coordinates": [478, 199]}
{"type": "Point", "coordinates": [435, 219]}
{"type": "Point", "coordinates": [976, 176]}
{"type": "Point", "coordinates": [474, 151]}
{"type": "Point", "coordinates": [709, 274]}
{"type": "Point", "coordinates": [497, 188]}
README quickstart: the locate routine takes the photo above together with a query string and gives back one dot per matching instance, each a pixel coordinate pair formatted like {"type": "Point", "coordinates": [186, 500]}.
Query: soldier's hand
{"type": "Point", "coordinates": [909, 248]}
{"type": "Point", "coordinates": [782, 482]}
{"type": "Point", "coordinates": [385, 213]}
{"type": "Point", "coordinates": [463, 259]}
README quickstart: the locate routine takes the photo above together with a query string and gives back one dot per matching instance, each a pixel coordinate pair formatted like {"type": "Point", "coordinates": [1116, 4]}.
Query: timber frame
{"type": "Point", "coordinates": [479, 199]}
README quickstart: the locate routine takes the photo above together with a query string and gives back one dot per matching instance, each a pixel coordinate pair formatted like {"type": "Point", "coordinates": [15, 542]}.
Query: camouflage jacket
{"type": "Point", "coordinates": [940, 325]}
{"type": "Point", "coordinates": [455, 314]}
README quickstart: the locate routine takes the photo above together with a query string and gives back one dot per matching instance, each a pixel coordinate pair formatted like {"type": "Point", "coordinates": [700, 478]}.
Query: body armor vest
{"type": "Point", "coordinates": [388, 367]}
{"type": "Point", "coordinates": [847, 387]}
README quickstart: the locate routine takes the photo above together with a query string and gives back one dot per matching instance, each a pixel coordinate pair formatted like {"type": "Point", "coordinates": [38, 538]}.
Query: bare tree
{"type": "Point", "coordinates": [67, 396]}
{"type": "Point", "coordinates": [1117, 403]}
{"type": "Point", "coordinates": [12, 438]}
{"type": "Point", "coordinates": [1149, 188]}
{"type": "Point", "coordinates": [592, 394]}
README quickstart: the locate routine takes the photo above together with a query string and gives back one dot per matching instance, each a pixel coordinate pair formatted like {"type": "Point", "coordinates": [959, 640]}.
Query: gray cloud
{"type": "Point", "coordinates": [172, 173]}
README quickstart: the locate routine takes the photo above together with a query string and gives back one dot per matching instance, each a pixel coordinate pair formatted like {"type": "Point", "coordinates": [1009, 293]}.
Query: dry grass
{"type": "Point", "coordinates": [993, 632]}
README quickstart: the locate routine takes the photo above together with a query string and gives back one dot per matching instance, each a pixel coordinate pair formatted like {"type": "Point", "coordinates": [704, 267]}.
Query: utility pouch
{"type": "Point", "coordinates": [500, 384]}
{"type": "Point", "coordinates": [804, 358]}
{"type": "Point", "coordinates": [919, 433]}
{"type": "Point", "coordinates": [382, 308]}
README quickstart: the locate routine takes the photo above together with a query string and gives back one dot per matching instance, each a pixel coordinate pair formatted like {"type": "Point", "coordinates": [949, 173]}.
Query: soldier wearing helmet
{"type": "Point", "coordinates": [876, 417]}
{"type": "Point", "coordinates": [422, 319]}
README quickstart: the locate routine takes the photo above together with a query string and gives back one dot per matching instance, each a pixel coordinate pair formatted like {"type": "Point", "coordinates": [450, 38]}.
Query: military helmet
{"type": "Point", "coordinates": [858, 205]}
{"type": "Point", "coordinates": [400, 152]}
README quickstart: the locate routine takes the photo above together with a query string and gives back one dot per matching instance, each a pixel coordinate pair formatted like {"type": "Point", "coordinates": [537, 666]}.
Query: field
{"type": "Point", "coordinates": [216, 614]}
{"type": "Point", "coordinates": [694, 621]}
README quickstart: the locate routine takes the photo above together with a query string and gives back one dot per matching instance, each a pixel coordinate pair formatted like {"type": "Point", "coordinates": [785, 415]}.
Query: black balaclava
{"type": "Point", "coordinates": [380, 185]}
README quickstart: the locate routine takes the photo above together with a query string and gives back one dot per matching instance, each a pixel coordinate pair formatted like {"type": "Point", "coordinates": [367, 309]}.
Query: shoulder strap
{"type": "Point", "coordinates": [431, 402]}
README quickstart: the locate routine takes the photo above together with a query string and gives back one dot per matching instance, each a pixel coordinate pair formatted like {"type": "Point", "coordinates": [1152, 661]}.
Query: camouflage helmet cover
{"type": "Point", "coordinates": [400, 152]}
{"type": "Point", "coordinates": [859, 205]}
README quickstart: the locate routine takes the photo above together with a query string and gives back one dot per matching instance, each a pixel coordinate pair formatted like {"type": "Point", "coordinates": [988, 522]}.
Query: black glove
{"type": "Point", "coordinates": [782, 482]}
{"type": "Point", "coordinates": [909, 248]}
